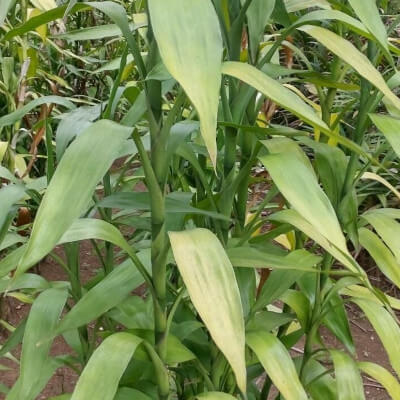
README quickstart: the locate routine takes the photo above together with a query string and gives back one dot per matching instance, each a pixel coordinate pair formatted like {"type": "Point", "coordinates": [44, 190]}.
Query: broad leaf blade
{"type": "Point", "coordinates": [383, 257]}
{"type": "Point", "coordinates": [108, 293]}
{"type": "Point", "coordinates": [190, 44]}
{"type": "Point", "coordinates": [68, 195]}
{"type": "Point", "coordinates": [348, 378]}
{"type": "Point", "coordinates": [211, 283]}
{"type": "Point", "coordinates": [291, 176]}
{"type": "Point", "coordinates": [277, 363]}
{"type": "Point", "coordinates": [100, 378]}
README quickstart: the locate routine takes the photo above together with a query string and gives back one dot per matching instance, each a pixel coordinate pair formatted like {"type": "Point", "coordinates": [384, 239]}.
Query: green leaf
{"type": "Point", "coordinates": [10, 261]}
{"type": "Point", "coordinates": [383, 376]}
{"type": "Point", "coordinates": [387, 228]}
{"type": "Point", "coordinates": [214, 396]}
{"type": "Point", "coordinates": [73, 123]}
{"type": "Point", "coordinates": [277, 363]}
{"type": "Point", "coordinates": [251, 257]}
{"type": "Point", "coordinates": [294, 218]}
{"type": "Point", "coordinates": [175, 202]}
{"type": "Point", "coordinates": [337, 321]}
{"type": "Point", "coordinates": [258, 15]}
{"type": "Point", "coordinates": [95, 32]}
{"type": "Point", "coordinates": [83, 165]}
{"type": "Point", "coordinates": [118, 14]}
{"type": "Point", "coordinates": [291, 176]}
{"type": "Point", "coordinates": [9, 195]}
{"type": "Point", "coordinates": [211, 283]}
{"type": "Point", "coordinates": [43, 317]}
{"type": "Point", "coordinates": [297, 5]}
{"type": "Point", "coordinates": [24, 281]}
{"type": "Point", "coordinates": [15, 116]}
{"type": "Point", "coordinates": [177, 352]}
{"type": "Point", "coordinates": [349, 53]}
{"type": "Point", "coordinates": [383, 257]}
{"type": "Point", "coordinates": [299, 303]}
{"type": "Point", "coordinates": [275, 91]}
{"type": "Point", "coordinates": [126, 393]}
{"type": "Point", "coordinates": [319, 15]}
{"type": "Point", "coordinates": [108, 293]}
{"type": "Point", "coordinates": [386, 328]}
{"type": "Point", "coordinates": [4, 8]}
{"type": "Point", "coordinates": [368, 13]}
{"type": "Point", "coordinates": [319, 384]}
{"type": "Point", "coordinates": [190, 45]}
{"type": "Point", "coordinates": [390, 127]}
{"type": "Point", "coordinates": [348, 378]}
{"type": "Point", "coordinates": [277, 284]}
{"type": "Point", "coordinates": [32, 23]}
{"type": "Point", "coordinates": [14, 339]}
{"type": "Point", "coordinates": [100, 378]}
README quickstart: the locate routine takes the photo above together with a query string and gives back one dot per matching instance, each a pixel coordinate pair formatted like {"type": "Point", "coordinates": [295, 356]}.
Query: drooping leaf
{"type": "Point", "coordinates": [386, 328]}
{"type": "Point", "coordinates": [211, 283]}
{"type": "Point", "coordinates": [291, 177]}
{"type": "Point", "coordinates": [100, 378]}
{"type": "Point", "coordinates": [41, 19]}
{"type": "Point", "coordinates": [383, 376]}
{"type": "Point", "coordinates": [383, 257]}
{"type": "Point", "coordinates": [275, 91]}
{"type": "Point", "coordinates": [15, 116]}
{"type": "Point", "coordinates": [72, 186]}
{"type": "Point", "coordinates": [190, 45]}
{"type": "Point", "coordinates": [349, 53]}
{"type": "Point", "coordinates": [277, 363]}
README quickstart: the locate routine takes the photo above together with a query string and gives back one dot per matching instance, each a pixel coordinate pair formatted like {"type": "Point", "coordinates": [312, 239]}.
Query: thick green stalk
{"type": "Point", "coordinates": [159, 247]}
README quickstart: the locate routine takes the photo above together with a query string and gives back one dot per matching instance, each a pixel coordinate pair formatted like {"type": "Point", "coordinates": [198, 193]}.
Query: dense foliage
{"type": "Point", "coordinates": [140, 127]}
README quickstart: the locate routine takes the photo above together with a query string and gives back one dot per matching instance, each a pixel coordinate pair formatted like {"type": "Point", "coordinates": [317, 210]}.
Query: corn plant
{"type": "Point", "coordinates": [200, 292]}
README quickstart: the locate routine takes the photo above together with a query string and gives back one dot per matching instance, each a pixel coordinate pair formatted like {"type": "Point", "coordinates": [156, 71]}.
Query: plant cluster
{"type": "Point", "coordinates": [201, 289]}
